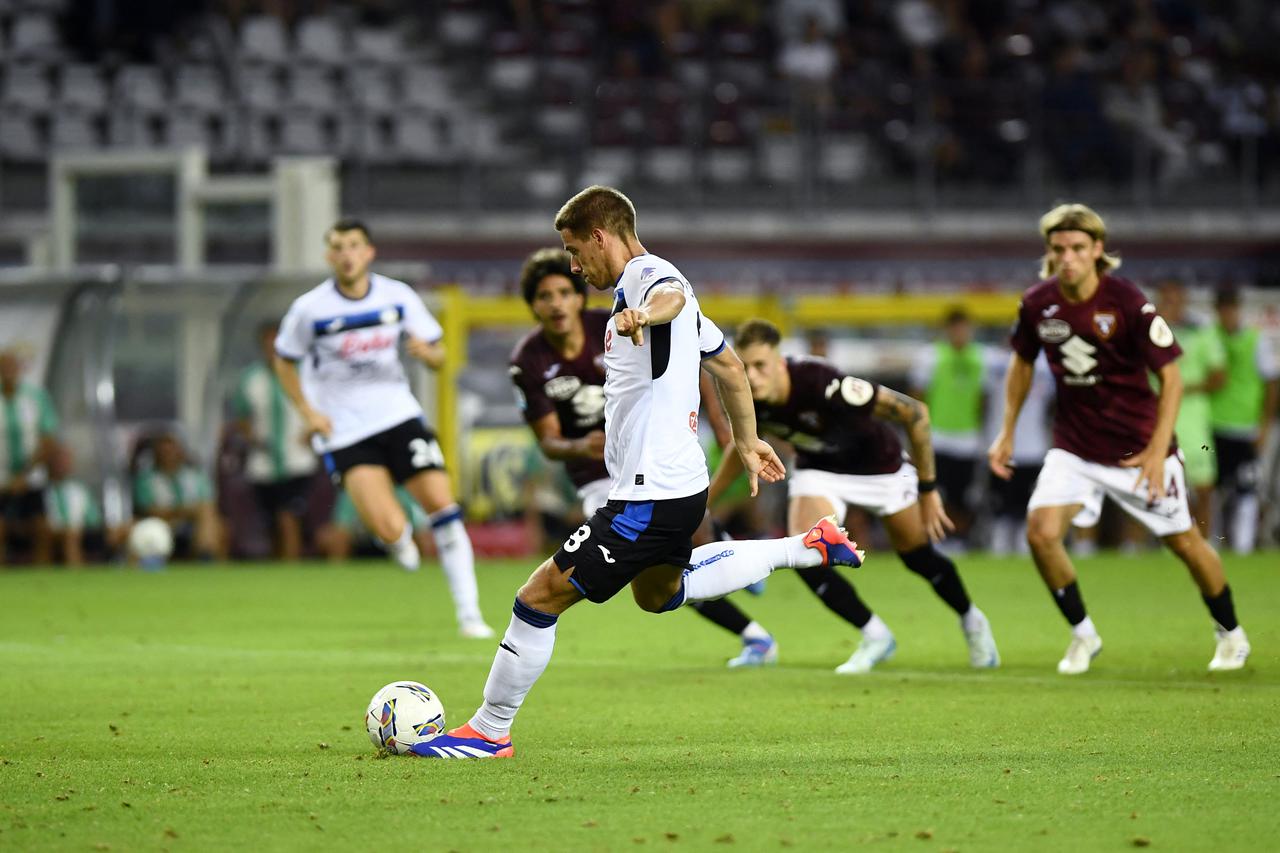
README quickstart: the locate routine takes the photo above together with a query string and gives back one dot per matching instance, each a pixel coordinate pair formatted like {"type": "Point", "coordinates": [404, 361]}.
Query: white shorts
{"type": "Point", "coordinates": [594, 495]}
{"type": "Point", "coordinates": [1067, 479]}
{"type": "Point", "coordinates": [878, 494]}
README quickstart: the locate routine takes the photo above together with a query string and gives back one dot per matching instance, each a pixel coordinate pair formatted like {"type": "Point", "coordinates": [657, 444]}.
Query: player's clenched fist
{"type": "Point", "coordinates": [629, 322]}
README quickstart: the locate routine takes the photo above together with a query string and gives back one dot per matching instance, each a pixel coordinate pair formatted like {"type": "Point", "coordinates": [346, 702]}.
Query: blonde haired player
{"type": "Point", "coordinates": [1112, 435]}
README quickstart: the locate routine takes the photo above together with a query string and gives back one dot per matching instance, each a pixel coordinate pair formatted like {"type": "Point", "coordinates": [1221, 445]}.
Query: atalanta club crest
{"type": "Point", "coordinates": [1104, 323]}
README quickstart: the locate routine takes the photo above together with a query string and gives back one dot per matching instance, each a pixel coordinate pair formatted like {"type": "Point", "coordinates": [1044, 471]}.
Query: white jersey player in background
{"type": "Point", "coordinates": [654, 342]}
{"type": "Point", "coordinates": [353, 394]}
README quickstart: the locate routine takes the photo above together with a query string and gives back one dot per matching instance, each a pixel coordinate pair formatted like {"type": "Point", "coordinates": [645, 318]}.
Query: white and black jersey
{"type": "Point", "coordinates": [348, 350]}
{"type": "Point", "coordinates": [651, 391]}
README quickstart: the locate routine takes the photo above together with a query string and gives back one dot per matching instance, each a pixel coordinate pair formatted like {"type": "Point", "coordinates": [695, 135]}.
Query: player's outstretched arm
{"type": "Point", "coordinates": [1150, 460]}
{"type": "Point", "coordinates": [1017, 382]}
{"type": "Point", "coordinates": [714, 409]}
{"type": "Point", "coordinates": [287, 372]}
{"type": "Point", "coordinates": [431, 354]}
{"type": "Point", "coordinates": [661, 305]}
{"type": "Point", "coordinates": [556, 446]}
{"type": "Point", "coordinates": [913, 415]}
{"type": "Point", "coordinates": [758, 458]}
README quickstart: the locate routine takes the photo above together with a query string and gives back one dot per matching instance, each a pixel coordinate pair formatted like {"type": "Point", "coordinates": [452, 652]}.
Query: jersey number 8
{"type": "Point", "coordinates": [575, 540]}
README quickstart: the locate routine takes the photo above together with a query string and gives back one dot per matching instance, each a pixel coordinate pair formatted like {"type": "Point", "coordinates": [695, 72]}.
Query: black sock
{"type": "Point", "coordinates": [1223, 609]}
{"type": "Point", "coordinates": [724, 613]}
{"type": "Point", "coordinates": [935, 567]}
{"type": "Point", "coordinates": [1069, 602]}
{"type": "Point", "coordinates": [838, 594]}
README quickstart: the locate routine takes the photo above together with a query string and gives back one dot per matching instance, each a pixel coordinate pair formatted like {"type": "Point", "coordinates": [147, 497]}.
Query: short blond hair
{"type": "Point", "coordinates": [1075, 217]}
{"type": "Point", "coordinates": [598, 207]}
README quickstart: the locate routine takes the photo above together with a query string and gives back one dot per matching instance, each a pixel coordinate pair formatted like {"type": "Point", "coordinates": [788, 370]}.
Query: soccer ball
{"type": "Point", "coordinates": [402, 714]}
{"type": "Point", "coordinates": [151, 540]}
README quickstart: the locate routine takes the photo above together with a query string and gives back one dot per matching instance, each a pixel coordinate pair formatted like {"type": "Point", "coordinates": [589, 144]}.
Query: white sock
{"type": "Point", "coordinates": [724, 567]}
{"type": "Point", "coordinates": [458, 561]}
{"type": "Point", "coordinates": [972, 619]}
{"type": "Point", "coordinates": [522, 656]}
{"type": "Point", "coordinates": [1085, 629]}
{"type": "Point", "coordinates": [876, 629]}
{"type": "Point", "coordinates": [754, 631]}
{"type": "Point", "coordinates": [404, 550]}
{"type": "Point", "coordinates": [1244, 524]}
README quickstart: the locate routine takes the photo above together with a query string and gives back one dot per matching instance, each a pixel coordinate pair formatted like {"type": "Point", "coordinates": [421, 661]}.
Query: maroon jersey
{"type": "Point", "coordinates": [1100, 352]}
{"type": "Point", "coordinates": [548, 382]}
{"type": "Point", "coordinates": [828, 419]}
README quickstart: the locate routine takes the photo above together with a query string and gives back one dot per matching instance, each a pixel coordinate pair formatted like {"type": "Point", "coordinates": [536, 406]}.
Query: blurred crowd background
{"type": "Point", "coordinates": [823, 149]}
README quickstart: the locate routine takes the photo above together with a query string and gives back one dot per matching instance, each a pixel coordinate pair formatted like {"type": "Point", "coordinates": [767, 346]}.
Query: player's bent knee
{"type": "Point", "coordinates": [1044, 531]}
{"type": "Point", "coordinates": [1183, 545]}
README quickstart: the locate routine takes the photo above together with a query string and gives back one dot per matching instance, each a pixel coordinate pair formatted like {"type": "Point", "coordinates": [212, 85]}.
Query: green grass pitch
{"type": "Point", "coordinates": [220, 708]}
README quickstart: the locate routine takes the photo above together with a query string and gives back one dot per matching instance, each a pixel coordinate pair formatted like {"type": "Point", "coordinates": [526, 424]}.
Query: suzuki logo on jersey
{"type": "Point", "coordinates": [1077, 357]}
{"type": "Point", "coordinates": [355, 344]}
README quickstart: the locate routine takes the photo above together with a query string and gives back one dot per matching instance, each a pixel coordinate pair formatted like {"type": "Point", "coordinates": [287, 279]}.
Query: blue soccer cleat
{"type": "Point", "coordinates": [464, 742]}
{"type": "Point", "coordinates": [830, 540]}
{"type": "Point", "coordinates": [756, 652]}
{"type": "Point", "coordinates": [756, 588]}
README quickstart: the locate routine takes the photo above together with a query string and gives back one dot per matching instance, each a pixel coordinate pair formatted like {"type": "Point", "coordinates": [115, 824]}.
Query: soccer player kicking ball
{"type": "Point", "coordinates": [558, 373]}
{"type": "Point", "coordinates": [653, 344]}
{"type": "Point", "coordinates": [354, 397]}
{"type": "Point", "coordinates": [1112, 436]}
{"type": "Point", "coordinates": [847, 454]}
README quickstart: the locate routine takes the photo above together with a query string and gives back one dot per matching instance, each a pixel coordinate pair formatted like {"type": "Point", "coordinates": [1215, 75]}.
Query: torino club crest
{"type": "Point", "coordinates": [1104, 323]}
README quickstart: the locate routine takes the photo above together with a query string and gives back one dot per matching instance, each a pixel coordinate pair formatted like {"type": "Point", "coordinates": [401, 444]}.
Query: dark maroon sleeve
{"type": "Point", "coordinates": [530, 396]}
{"type": "Point", "coordinates": [1152, 334]}
{"type": "Point", "coordinates": [1023, 338]}
{"type": "Point", "coordinates": [841, 396]}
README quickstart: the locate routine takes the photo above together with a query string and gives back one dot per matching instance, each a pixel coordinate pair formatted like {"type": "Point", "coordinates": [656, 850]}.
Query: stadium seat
{"type": "Point", "coordinates": [322, 40]}
{"type": "Point", "coordinates": [259, 88]}
{"type": "Point", "coordinates": [26, 87]}
{"type": "Point", "coordinates": [377, 45]}
{"type": "Point", "coordinates": [34, 35]}
{"type": "Point", "coordinates": [312, 87]}
{"type": "Point", "coordinates": [186, 126]}
{"type": "Point", "coordinates": [73, 130]}
{"type": "Point", "coordinates": [263, 39]}
{"type": "Point", "coordinates": [426, 87]}
{"type": "Point", "coordinates": [780, 160]}
{"type": "Point", "coordinates": [20, 138]}
{"type": "Point", "coordinates": [199, 87]}
{"type": "Point", "coordinates": [462, 25]}
{"type": "Point", "coordinates": [304, 131]}
{"type": "Point", "coordinates": [141, 89]}
{"type": "Point", "coordinates": [373, 89]}
{"type": "Point", "coordinates": [611, 166]}
{"type": "Point", "coordinates": [417, 138]}
{"type": "Point", "coordinates": [82, 87]}
{"type": "Point", "coordinates": [843, 159]}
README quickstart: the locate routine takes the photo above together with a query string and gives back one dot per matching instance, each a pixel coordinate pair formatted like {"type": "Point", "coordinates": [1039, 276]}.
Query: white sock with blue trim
{"type": "Point", "coordinates": [720, 568]}
{"type": "Point", "coordinates": [522, 657]}
{"type": "Point", "coordinates": [458, 561]}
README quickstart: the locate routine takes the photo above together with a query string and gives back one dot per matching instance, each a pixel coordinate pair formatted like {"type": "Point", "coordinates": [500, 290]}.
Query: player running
{"type": "Point", "coordinates": [848, 455]}
{"type": "Point", "coordinates": [354, 396]}
{"type": "Point", "coordinates": [1112, 435]}
{"type": "Point", "coordinates": [558, 373]}
{"type": "Point", "coordinates": [654, 341]}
